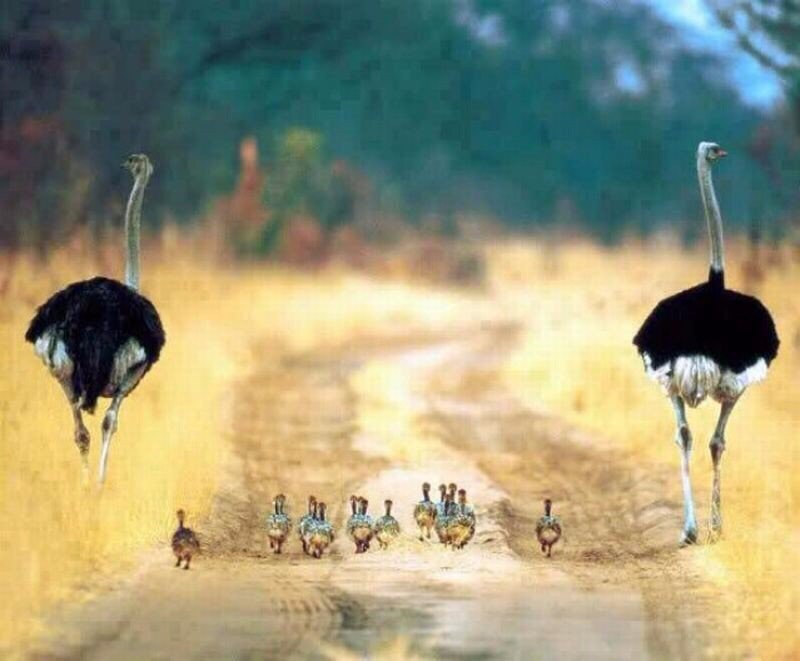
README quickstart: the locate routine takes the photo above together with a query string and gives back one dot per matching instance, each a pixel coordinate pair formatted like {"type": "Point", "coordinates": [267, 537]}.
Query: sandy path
{"type": "Point", "coordinates": [379, 422]}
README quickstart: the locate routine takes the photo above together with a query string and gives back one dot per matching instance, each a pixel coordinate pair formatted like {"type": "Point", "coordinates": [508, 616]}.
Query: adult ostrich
{"type": "Point", "coordinates": [707, 340]}
{"type": "Point", "coordinates": [99, 337]}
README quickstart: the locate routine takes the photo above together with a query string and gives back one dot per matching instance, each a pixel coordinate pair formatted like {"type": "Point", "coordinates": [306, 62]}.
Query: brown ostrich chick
{"type": "Point", "coordinates": [184, 542]}
{"type": "Point", "coordinates": [548, 529]}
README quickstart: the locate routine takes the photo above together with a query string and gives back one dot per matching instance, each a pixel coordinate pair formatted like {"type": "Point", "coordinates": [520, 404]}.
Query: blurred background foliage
{"type": "Point", "coordinates": [579, 112]}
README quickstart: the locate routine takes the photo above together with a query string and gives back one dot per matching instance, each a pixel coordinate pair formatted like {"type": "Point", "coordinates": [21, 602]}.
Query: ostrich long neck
{"type": "Point", "coordinates": [713, 216]}
{"type": "Point", "coordinates": [133, 214]}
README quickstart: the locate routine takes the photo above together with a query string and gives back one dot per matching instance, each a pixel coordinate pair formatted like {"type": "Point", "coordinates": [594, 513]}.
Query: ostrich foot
{"type": "Point", "coordinates": [82, 441]}
{"type": "Point", "coordinates": [85, 479]}
{"type": "Point", "coordinates": [688, 536]}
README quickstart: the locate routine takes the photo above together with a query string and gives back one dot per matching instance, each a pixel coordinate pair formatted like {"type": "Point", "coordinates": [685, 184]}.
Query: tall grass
{"type": "Point", "coordinates": [582, 306]}
{"type": "Point", "coordinates": [57, 535]}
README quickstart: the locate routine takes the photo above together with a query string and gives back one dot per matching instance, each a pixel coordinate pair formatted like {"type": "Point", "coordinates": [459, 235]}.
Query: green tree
{"type": "Point", "coordinates": [769, 30]}
{"type": "Point", "coordinates": [509, 107]}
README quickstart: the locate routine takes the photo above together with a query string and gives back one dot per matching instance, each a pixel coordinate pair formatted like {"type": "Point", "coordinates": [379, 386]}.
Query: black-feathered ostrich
{"type": "Point", "coordinates": [707, 340]}
{"type": "Point", "coordinates": [99, 337]}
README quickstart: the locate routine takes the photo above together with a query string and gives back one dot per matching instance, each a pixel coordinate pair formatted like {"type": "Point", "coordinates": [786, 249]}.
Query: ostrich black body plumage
{"type": "Point", "coordinates": [94, 318]}
{"type": "Point", "coordinates": [733, 329]}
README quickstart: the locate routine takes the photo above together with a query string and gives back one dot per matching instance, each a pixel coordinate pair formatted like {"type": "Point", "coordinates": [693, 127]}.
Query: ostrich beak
{"type": "Point", "coordinates": [722, 153]}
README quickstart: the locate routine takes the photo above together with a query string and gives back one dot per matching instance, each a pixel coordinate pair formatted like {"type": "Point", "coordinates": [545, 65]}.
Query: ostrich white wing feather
{"type": "Point", "coordinates": [662, 375]}
{"type": "Point", "coordinates": [733, 384]}
{"type": "Point", "coordinates": [696, 377]}
{"type": "Point", "coordinates": [53, 352]}
{"type": "Point", "coordinates": [129, 355]}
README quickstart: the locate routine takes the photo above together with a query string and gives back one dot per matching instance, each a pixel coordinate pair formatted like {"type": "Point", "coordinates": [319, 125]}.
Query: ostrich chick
{"type": "Point", "coordinates": [386, 528]}
{"type": "Point", "coordinates": [359, 527]}
{"type": "Point", "coordinates": [306, 521]}
{"type": "Point", "coordinates": [425, 513]}
{"type": "Point", "coordinates": [461, 524]}
{"type": "Point", "coordinates": [548, 529]}
{"type": "Point", "coordinates": [320, 534]}
{"type": "Point", "coordinates": [184, 542]}
{"type": "Point", "coordinates": [279, 525]}
{"type": "Point", "coordinates": [443, 519]}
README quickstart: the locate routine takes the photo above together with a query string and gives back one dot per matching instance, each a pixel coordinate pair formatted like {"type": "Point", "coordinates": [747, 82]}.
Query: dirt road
{"type": "Point", "coordinates": [379, 421]}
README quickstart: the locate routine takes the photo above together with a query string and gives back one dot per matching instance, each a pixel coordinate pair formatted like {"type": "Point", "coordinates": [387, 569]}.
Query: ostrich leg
{"type": "Point", "coordinates": [717, 447]}
{"type": "Point", "coordinates": [112, 414]}
{"type": "Point", "coordinates": [82, 437]}
{"type": "Point", "coordinates": [109, 427]}
{"type": "Point", "coordinates": [683, 438]}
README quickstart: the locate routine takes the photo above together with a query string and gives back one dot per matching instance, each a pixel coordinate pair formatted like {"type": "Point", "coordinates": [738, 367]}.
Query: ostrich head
{"type": "Point", "coordinates": [710, 151]}
{"type": "Point", "coordinates": [181, 517]}
{"type": "Point", "coordinates": [388, 505]}
{"type": "Point", "coordinates": [138, 165]}
{"type": "Point", "coordinates": [548, 504]}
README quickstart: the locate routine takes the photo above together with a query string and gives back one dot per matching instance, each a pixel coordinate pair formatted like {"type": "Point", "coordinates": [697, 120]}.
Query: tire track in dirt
{"type": "Point", "coordinates": [620, 530]}
{"type": "Point", "coordinates": [483, 601]}
{"type": "Point", "coordinates": [291, 425]}
{"type": "Point", "coordinates": [298, 426]}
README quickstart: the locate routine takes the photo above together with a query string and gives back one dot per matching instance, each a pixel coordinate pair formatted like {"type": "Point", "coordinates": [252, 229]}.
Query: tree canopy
{"type": "Point", "coordinates": [515, 108]}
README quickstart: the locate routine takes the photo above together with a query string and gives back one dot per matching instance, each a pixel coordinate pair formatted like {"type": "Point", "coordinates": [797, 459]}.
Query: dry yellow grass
{"type": "Point", "coordinates": [582, 305]}
{"type": "Point", "coordinates": [170, 442]}
{"type": "Point", "coordinates": [394, 649]}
